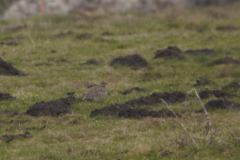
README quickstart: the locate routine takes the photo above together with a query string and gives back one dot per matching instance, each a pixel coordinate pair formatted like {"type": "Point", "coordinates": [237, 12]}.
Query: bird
{"type": "Point", "coordinates": [96, 93]}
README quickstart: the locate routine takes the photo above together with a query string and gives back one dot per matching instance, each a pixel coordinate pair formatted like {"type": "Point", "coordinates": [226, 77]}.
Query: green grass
{"type": "Point", "coordinates": [77, 135]}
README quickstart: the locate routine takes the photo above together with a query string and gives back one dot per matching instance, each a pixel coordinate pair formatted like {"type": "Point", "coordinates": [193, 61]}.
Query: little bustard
{"type": "Point", "coordinates": [96, 93]}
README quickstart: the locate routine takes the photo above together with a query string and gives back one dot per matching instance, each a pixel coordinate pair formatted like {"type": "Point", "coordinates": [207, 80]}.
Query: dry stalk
{"type": "Point", "coordinates": [206, 113]}
{"type": "Point", "coordinates": [231, 134]}
{"type": "Point", "coordinates": [181, 123]}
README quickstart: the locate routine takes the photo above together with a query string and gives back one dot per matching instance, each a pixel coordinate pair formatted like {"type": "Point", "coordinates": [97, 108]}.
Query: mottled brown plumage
{"type": "Point", "coordinates": [96, 93]}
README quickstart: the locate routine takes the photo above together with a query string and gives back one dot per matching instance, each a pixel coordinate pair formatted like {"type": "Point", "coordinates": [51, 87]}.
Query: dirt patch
{"type": "Point", "coordinates": [9, 138]}
{"type": "Point", "coordinates": [230, 86]}
{"type": "Point", "coordinates": [134, 61]}
{"type": "Point", "coordinates": [141, 113]}
{"type": "Point", "coordinates": [90, 62]}
{"type": "Point", "coordinates": [107, 34]}
{"type": "Point", "coordinates": [202, 82]}
{"type": "Point", "coordinates": [204, 51]}
{"type": "Point", "coordinates": [127, 110]}
{"type": "Point", "coordinates": [227, 28]}
{"type": "Point", "coordinates": [170, 52]}
{"type": "Point", "coordinates": [217, 93]}
{"type": "Point", "coordinates": [50, 108]}
{"type": "Point", "coordinates": [8, 69]}
{"type": "Point", "coordinates": [53, 51]}
{"type": "Point", "coordinates": [137, 89]}
{"type": "Point", "coordinates": [62, 60]}
{"type": "Point", "coordinates": [221, 104]}
{"type": "Point", "coordinates": [5, 96]}
{"type": "Point", "coordinates": [62, 34]}
{"type": "Point", "coordinates": [225, 60]}
{"type": "Point", "coordinates": [85, 36]}
{"type": "Point", "coordinates": [9, 43]}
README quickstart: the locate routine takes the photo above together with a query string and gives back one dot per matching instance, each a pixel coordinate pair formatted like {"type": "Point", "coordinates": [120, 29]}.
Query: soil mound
{"type": "Point", "coordinates": [230, 86]}
{"type": "Point", "coordinates": [217, 93]}
{"type": "Point", "coordinates": [90, 61]}
{"type": "Point", "coordinates": [204, 51]}
{"type": "Point", "coordinates": [137, 89]}
{"type": "Point", "coordinates": [202, 82]}
{"type": "Point", "coordinates": [227, 28]}
{"type": "Point", "coordinates": [9, 138]}
{"type": "Point", "coordinates": [5, 96]}
{"type": "Point", "coordinates": [128, 110]}
{"type": "Point", "coordinates": [50, 108]}
{"type": "Point", "coordinates": [107, 34]}
{"type": "Point", "coordinates": [226, 61]}
{"type": "Point", "coordinates": [141, 113]}
{"type": "Point", "coordinates": [8, 69]}
{"type": "Point", "coordinates": [221, 104]}
{"type": "Point", "coordinates": [170, 52]}
{"type": "Point", "coordinates": [134, 61]}
{"type": "Point", "coordinates": [85, 36]}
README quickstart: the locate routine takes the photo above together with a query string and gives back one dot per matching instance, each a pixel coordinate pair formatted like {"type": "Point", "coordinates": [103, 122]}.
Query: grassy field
{"type": "Point", "coordinates": [79, 136]}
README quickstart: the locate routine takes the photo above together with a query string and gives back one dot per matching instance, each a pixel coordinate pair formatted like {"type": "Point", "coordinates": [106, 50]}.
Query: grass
{"type": "Point", "coordinates": [76, 135]}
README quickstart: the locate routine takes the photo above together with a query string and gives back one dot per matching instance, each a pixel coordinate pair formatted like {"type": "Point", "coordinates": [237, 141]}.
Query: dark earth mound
{"type": "Point", "coordinates": [84, 36]}
{"type": "Point", "coordinates": [60, 35]}
{"type": "Point", "coordinates": [127, 109]}
{"type": "Point", "coordinates": [8, 69]}
{"type": "Point", "coordinates": [227, 28]}
{"type": "Point", "coordinates": [9, 43]}
{"type": "Point", "coordinates": [170, 52]}
{"type": "Point", "coordinates": [107, 34]}
{"type": "Point", "coordinates": [141, 113]}
{"type": "Point", "coordinates": [225, 60]}
{"type": "Point", "coordinates": [230, 86]}
{"type": "Point", "coordinates": [217, 93]}
{"type": "Point", "coordinates": [202, 82]}
{"type": "Point", "coordinates": [5, 96]}
{"type": "Point", "coordinates": [50, 108]}
{"type": "Point", "coordinates": [91, 61]}
{"type": "Point", "coordinates": [134, 61]}
{"type": "Point", "coordinates": [53, 51]}
{"type": "Point", "coordinates": [204, 51]}
{"type": "Point", "coordinates": [137, 89]}
{"type": "Point", "coordinates": [9, 138]}
{"type": "Point", "coordinates": [220, 104]}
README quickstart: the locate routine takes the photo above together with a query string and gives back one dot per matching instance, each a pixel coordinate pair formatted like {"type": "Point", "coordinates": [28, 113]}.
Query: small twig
{"type": "Point", "coordinates": [181, 124]}
{"type": "Point", "coordinates": [31, 39]}
{"type": "Point", "coordinates": [231, 134]}
{"type": "Point", "coordinates": [206, 113]}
